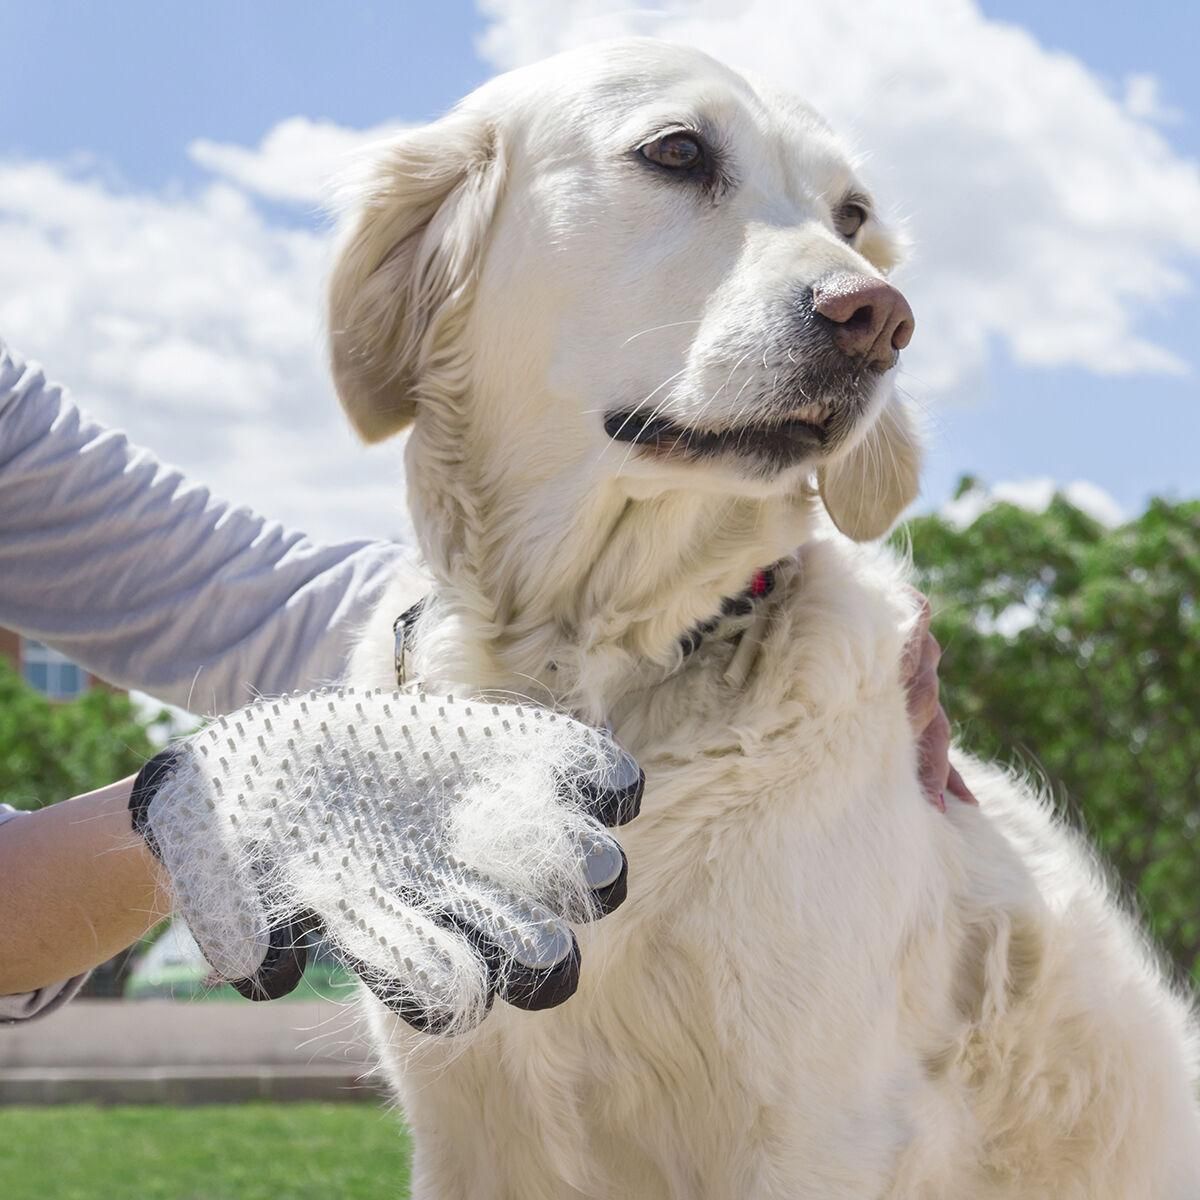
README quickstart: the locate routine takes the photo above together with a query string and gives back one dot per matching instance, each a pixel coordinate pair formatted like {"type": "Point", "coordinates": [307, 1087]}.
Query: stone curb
{"type": "Point", "coordinates": [191, 1085]}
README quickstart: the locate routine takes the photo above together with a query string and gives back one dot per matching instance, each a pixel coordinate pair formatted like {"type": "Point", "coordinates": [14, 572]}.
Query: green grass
{"type": "Point", "coordinates": [222, 1152]}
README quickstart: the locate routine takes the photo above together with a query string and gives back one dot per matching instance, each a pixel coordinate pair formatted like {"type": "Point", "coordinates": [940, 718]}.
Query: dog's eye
{"type": "Point", "coordinates": [675, 151]}
{"type": "Point", "coordinates": [850, 218]}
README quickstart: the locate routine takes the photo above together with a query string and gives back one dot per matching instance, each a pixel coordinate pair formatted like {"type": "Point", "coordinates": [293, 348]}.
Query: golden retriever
{"type": "Point", "coordinates": [636, 309]}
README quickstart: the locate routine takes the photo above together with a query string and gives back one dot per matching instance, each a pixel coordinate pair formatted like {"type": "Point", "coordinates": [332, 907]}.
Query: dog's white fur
{"type": "Point", "coordinates": [819, 986]}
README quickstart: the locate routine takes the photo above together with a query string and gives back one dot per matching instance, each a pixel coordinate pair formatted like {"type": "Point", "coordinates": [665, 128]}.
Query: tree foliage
{"type": "Point", "coordinates": [49, 751]}
{"type": "Point", "coordinates": [1073, 650]}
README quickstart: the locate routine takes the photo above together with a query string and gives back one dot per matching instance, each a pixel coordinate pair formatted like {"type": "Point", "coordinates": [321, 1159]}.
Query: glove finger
{"type": "Point", "coordinates": [412, 1006]}
{"type": "Point", "coordinates": [216, 883]}
{"type": "Point", "coordinates": [605, 871]}
{"type": "Point", "coordinates": [609, 784]}
{"type": "Point", "coordinates": [531, 952]}
{"type": "Point", "coordinates": [543, 977]}
{"type": "Point", "coordinates": [153, 774]}
{"type": "Point", "coordinates": [423, 969]}
{"type": "Point", "coordinates": [583, 874]}
{"type": "Point", "coordinates": [530, 955]}
{"type": "Point", "coordinates": [279, 941]}
{"type": "Point", "coordinates": [532, 964]}
{"type": "Point", "coordinates": [591, 770]}
{"type": "Point", "coordinates": [283, 964]}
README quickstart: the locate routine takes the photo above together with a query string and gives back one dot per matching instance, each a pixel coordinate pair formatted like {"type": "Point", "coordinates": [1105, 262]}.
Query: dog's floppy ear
{"type": "Point", "coordinates": [865, 491]}
{"type": "Point", "coordinates": [407, 265]}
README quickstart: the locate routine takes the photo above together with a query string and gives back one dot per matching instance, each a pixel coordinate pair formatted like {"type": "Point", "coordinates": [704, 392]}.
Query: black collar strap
{"type": "Point", "coordinates": [735, 615]}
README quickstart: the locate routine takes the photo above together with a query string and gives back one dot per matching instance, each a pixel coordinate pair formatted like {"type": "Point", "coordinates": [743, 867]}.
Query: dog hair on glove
{"type": "Point", "coordinates": [441, 845]}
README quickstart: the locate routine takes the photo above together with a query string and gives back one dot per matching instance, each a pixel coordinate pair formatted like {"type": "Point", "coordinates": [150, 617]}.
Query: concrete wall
{"type": "Point", "coordinates": [163, 1051]}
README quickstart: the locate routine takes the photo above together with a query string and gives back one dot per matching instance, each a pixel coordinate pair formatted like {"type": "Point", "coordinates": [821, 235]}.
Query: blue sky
{"type": "Point", "coordinates": [134, 83]}
{"type": "Point", "coordinates": [1138, 435]}
{"type": "Point", "coordinates": [118, 93]}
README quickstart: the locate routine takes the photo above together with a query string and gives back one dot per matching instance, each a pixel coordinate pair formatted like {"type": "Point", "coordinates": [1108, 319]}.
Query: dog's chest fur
{"type": "Point", "coordinates": [723, 1041]}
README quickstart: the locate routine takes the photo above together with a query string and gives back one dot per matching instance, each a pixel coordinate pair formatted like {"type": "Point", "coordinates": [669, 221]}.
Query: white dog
{"type": "Point", "coordinates": [636, 310]}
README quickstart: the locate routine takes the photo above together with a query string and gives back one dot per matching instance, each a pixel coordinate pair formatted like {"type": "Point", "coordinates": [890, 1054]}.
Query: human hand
{"type": "Point", "coordinates": [927, 716]}
{"type": "Point", "coordinates": [440, 845]}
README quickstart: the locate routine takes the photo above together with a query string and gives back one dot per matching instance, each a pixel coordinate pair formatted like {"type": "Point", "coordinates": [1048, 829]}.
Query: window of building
{"type": "Point", "coordinates": [51, 673]}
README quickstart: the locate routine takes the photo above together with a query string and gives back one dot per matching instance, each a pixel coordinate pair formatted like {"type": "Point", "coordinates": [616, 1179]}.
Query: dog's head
{"type": "Point", "coordinates": [629, 264]}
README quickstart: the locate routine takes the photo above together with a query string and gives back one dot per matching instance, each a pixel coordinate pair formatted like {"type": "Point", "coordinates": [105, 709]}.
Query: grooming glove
{"type": "Point", "coordinates": [442, 846]}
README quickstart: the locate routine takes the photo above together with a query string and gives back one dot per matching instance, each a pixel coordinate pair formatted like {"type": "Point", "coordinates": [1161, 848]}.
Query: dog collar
{"type": "Point", "coordinates": [738, 614]}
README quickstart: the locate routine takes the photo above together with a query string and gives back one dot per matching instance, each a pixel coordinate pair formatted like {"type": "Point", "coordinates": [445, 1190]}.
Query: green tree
{"type": "Point", "coordinates": [49, 751]}
{"type": "Point", "coordinates": [1073, 650]}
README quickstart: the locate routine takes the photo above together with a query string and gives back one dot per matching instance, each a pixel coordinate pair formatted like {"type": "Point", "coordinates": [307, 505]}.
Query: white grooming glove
{"type": "Point", "coordinates": [441, 845]}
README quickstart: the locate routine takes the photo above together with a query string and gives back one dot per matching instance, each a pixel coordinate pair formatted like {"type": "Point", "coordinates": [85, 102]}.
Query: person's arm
{"type": "Point", "coordinates": [148, 580]}
{"type": "Point", "coordinates": [75, 889]}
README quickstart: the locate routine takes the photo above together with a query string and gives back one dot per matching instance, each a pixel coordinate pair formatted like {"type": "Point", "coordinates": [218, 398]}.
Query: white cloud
{"type": "Point", "coordinates": [1034, 495]}
{"type": "Point", "coordinates": [1143, 98]}
{"type": "Point", "coordinates": [1048, 214]}
{"type": "Point", "coordinates": [193, 322]}
{"type": "Point", "coordinates": [296, 160]}
{"type": "Point", "coordinates": [1092, 499]}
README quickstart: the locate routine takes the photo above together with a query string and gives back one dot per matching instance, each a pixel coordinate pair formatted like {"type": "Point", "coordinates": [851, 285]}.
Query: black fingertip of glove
{"type": "Point", "coordinates": [534, 989]}
{"type": "Point", "coordinates": [617, 799]}
{"type": "Point", "coordinates": [434, 1020]}
{"type": "Point", "coordinates": [282, 966]}
{"type": "Point", "coordinates": [612, 895]}
{"type": "Point", "coordinates": [154, 773]}
{"type": "Point", "coordinates": [530, 988]}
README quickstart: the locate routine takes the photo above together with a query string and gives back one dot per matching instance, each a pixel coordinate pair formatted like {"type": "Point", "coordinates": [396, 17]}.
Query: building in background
{"type": "Point", "coordinates": [46, 670]}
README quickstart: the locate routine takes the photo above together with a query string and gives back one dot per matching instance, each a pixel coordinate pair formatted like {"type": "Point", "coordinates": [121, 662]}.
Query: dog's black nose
{"type": "Point", "coordinates": [870, 319]}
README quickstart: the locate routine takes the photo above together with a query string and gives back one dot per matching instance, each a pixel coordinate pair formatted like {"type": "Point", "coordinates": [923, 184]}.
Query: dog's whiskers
{"type": "Point", "coordinates": [656, 328]}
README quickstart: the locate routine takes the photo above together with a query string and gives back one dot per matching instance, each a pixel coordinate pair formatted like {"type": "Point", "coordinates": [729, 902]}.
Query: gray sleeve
{"type": "Point", "coordinates": [28, 1005]}
{"type": "Point", "coordinates": [148, 580]}
{"type": "Point", "coordinates": [40, 1003]}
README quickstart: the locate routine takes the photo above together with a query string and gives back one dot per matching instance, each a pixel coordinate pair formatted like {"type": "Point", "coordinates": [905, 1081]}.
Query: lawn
{"type": "Point", "coordinates": [223, 1152]}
